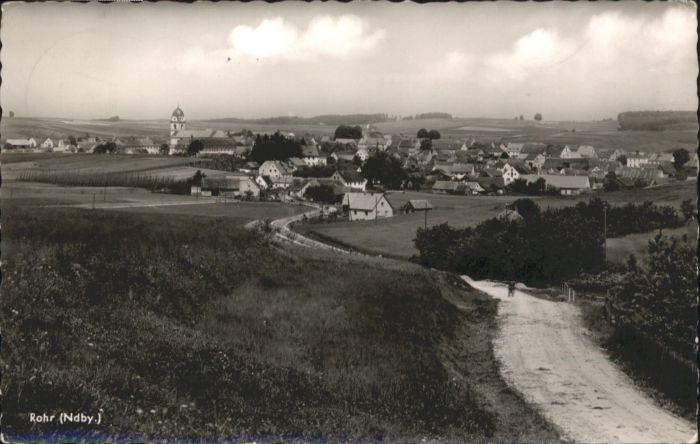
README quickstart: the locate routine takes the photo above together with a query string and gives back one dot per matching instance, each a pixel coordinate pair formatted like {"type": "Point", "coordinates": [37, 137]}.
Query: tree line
{"type": "Point", "coordinates": [543, 247]}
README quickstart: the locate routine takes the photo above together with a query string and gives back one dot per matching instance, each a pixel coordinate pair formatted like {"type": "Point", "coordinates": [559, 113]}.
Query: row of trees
{"type": "Point", "coordinates": [428, 134]}
{"type": "Point", "coordinates": [543, 247]}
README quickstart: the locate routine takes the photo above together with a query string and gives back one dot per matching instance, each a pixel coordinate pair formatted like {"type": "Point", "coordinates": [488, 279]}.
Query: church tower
{"type": "Point", "coordinates": [177, 121]}
{"type": "Point", "coordinates": [177, 124]}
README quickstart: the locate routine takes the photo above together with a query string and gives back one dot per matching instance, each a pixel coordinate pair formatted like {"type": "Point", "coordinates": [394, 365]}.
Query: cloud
{"type": "Point", "coordinates": [325, 36]}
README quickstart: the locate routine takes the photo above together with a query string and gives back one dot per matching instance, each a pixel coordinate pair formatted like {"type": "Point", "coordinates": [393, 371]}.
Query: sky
{"type": "Point", "coordinates": [566, 60]}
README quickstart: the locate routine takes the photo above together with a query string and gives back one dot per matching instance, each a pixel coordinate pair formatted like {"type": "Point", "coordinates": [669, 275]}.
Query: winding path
{"type": "Point", "coordinates": [546, 355]}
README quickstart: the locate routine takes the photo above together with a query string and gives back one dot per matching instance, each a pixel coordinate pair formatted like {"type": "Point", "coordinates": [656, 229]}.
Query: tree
{"type": "Point", "coordinates": [538, 117]}
{"type": "Point", "coordinates": [164, 149]}
{"type": "Point", "coordinates": [197, 178]}
{"type": "Point", "coordinates": [623, 160]}
{"type": "Point", "coordinates": [680, 158]}
{"type": "Point", "coordinates": [194, 148]}
{"type": "Point", "coordinates": [521, 117]}
{"type": "Point", "coordinates": [610, 183]}
{"type": "Point", "coordinates": [274, 147]}
{"type": "Point", "coordinates": [426, 144]}
{"type": "Point", "coordinates": [385, 170]}
{"type": "Point", "coordinates": [322, 193]}
{"type": "Point", "coordinates": [422, 133]}
{"type": "Point", "coordinates": [72, 140]}
{"type": "Point", "coordinates": [527, 208]}
{"type": "Point", "coordinates": [12, 113]}
{"type": "Point", "coordinates": [688, 210]}
{"type": "Point", "coordinates": [433, 134]}
{"type": "Point", "coordinates": [348, 132]}
{"type": "Point", "coordinates": [110, 147]}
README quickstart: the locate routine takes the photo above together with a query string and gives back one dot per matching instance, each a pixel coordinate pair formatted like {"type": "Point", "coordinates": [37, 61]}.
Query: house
{"type": "Point", "coordinates": [448, 187]}
{"type": "Point", "coordinates": [617, 154]}
{"type": "Point", "coordinates": [512, 148]}
{"type": "Point", "coordinates": [343, 157]}
{"type": "Point", "coordinates": [216, 146]}
{"type": "Point", "coordinates": [637, 159]}
{"type": "Point", "coordinates": [276, 169]}
{"type": "Point", "coordinates": [659, 158]}
{"type": "Point", "coordinates": [350, 178]}
{"type": "Point", "coordinates": [47, 144]}
{"type": "Point", "coordinates": [377, 143]}
{"type": "Point", "coordinates": [142, 145]}
{"type": "Point", "coordinates": [20, 143]}
{"type": "Point", "coordinates": [250, 167]}
{"type": "Point", "coordinates": [535, 160]}
{"type": "Point", "coordinates": [367, 206]}
{"type": "Point", "coordinates": [311, 155]}
{"type": "Point", "coordinates": [491, 184]}
{"type": "Point", "coordinates": [414, 205]}
{"type": "Point", "coordinates": [474, 187]}
{"type": "Point", "coordinates": [230, 185]}
{"type": "Point", "coordinates": [344, 141]}
{"type": "Point", "coordinates": [570, 152]}
{"type": "Point", "coordinates": [586, 151]}
{"type": "Point", "coordinates": [567, 185]}
{"type": "Point", "coordinates": [296, 163]}
{"type": "Point", "coordinates": [64, 145]}
{"type": "Point", "coordinates": [510, 174]}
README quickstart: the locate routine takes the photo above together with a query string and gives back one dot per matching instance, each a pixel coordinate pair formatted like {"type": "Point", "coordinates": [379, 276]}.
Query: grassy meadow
{"type": "Point", "coordinates": [173, 327]}
{"type": "Point", "coordinates": [619, 249]}
{"type": "Point", "coordinates": [394, 236]}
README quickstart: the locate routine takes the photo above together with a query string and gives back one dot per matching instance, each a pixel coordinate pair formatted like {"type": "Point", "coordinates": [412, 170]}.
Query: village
{"type": "Point", "coordinates": [334, 171]}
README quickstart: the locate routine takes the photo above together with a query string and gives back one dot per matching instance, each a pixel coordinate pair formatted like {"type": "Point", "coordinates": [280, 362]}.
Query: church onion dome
{"type": "Point", "coordinates": [178, 112]}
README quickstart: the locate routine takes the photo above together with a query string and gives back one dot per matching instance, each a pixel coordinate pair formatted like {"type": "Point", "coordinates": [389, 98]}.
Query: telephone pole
{"type": "Point", "coordinates": [425, 224]}
{"type": "Point", "coordinates": [605, 233]}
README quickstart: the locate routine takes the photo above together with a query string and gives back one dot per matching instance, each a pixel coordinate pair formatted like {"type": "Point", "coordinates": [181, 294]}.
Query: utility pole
{"type": "Point", "coordinates": [425, 224]}
{"type": "Point", "coordinates": [376, 203]}
{"type": "Point", "coordinates": [605, 233]}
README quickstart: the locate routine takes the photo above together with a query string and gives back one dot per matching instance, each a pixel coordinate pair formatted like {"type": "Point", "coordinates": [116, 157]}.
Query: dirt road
{"type": "Point", "coordinates": [546, 355]}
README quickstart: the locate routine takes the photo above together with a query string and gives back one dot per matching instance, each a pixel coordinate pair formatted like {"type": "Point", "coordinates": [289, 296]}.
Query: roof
{"type": "Point", "coordinates": [309, 151]}
{"type": "Point", "coordinates": [560, 181]}
{"type": "Point", "coordinates": [18, 141]}
{"type": "Point", "coordinates": [178, 112]}
{"type": "Point", "coordinates": [363, 201]}
{"type": "Point", "coordinates": [446, 185]}
{"type": "Point", "coordinates": [420, 204]}
{"type": "Point", "coordinates": [194, 134]}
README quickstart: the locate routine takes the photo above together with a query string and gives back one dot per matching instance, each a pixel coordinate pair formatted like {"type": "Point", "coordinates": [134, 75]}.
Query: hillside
{"type": "Point", "coordinates": [658, 120]}
{"type": "Point", "coordinates": [217, 332]}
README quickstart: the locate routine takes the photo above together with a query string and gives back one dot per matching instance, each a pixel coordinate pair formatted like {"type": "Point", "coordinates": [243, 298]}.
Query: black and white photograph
{"type": "Point", "coordinates": [349, 222]}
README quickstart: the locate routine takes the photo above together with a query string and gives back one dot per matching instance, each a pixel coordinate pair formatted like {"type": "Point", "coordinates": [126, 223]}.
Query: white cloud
{"type": "Point", "coordinates": [270, 38]}
{"type": "Point", "coordinates": [325, 36]}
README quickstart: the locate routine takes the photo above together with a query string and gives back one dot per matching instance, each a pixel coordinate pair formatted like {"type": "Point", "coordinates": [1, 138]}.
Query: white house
{"type": "Point", "coordinates": [512, 149]}
{"type": "Point", "coordinates": [47, 144]}
{"type": "Point", "coordinates": [311, 156]}
{"type": "Point", "coordinates": [367, 206]}
{"type": "Point", "coordinates": [637, 160]}
{"type": "Point", "coordinates": [21, 143]}
{"type": "Point", "coordinates": [63, 145]}
{"type": "Point", "coordinates": [275, 169]}
{"type": "Point", "coordinates": [570, 152]}
{"type": "Point", "coordinates": [510, 174]}
{"type": "Point", "coordinates": [567, 185]}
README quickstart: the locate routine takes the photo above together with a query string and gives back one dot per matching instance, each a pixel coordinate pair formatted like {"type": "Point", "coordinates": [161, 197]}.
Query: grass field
{"type": "Point", "coordinates": [90, 163]}
{"type": "Point", "coordinates": [239, 212]}
{"type": "Point", "coordinates": [619, 249]}
{"type": "Point", "coordinates": [394, 236]}
{"type": "Point", "coordinates": [217, 332]}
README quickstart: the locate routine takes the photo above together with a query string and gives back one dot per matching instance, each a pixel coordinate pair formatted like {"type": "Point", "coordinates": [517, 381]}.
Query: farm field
{"type": "Point", "coordinates": [394, 236]}
{"type": "Point", "coordinates": [138, 200]}
{"type": "Point", "coordinates": [89, 163]}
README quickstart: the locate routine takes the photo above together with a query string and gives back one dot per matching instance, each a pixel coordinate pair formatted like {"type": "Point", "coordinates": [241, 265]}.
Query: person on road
{"type": "Point", "coordinates": [511, 289]}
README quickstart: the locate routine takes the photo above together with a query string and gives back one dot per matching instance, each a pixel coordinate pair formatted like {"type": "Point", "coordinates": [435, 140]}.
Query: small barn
{"type": "Point", "coordinates": [414, 205]}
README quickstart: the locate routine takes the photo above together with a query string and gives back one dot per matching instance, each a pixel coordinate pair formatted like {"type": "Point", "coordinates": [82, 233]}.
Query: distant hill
{"type": "Point", "coordinates": [658, 120]}
{"type": "Point", "coordinates": [327, 119]}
